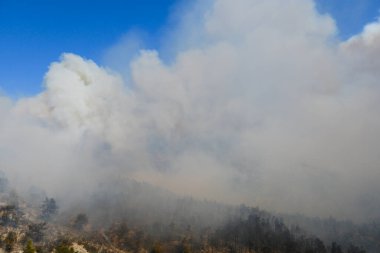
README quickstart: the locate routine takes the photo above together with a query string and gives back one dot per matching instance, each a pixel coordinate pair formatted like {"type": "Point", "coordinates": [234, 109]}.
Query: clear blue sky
{"type": "Point", "coordinates": [33, 33]}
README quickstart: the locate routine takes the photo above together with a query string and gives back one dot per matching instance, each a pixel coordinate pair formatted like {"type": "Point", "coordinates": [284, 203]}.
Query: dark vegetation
{"type": "Point", "coordinates": [344, 233]}
{"type": "Point", "coordinates": [141, 218]}
{"type": "Point", "coordinates": [48, 209]}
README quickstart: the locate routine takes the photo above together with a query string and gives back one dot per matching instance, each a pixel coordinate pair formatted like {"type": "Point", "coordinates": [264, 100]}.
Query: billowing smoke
{"type": "Point", "coordinates": [260, 104]}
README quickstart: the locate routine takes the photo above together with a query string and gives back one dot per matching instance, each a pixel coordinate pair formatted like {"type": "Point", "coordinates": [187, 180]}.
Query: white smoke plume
{"type": "Point", "coordinates": [261, 104]}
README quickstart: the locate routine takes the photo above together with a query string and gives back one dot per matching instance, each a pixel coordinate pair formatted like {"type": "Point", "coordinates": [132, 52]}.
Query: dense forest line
{"type": "Point", "coordinates": [137, 217]}
{"type": "Point", "coordinates": [344, 232]}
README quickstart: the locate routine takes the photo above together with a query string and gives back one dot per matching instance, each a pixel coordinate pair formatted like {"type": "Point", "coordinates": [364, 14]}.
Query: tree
{"type": "Point", "coordinates": [29, 248]}
{"type": "Point", "coordinates": [80, 221]}
{"type": "Point", "coordinates": [335, 248]}
{"type": "Point", "coordinates": [13, 199]}
{"type": "Point", "coordinates": [10, 241]}
{"type": "Point", "coordinates": [4, 183]}
{"type": "Point", "coordinates": [183, 247]}
{"type": "Point", "coordinates": [9, 215]}
{"type": "Point", "coordinates": [36, 231]}
{"type": "Point", "coordinates": [355, 249]}
{"type": "Point", "coordinates": [157, 248]}
{"type": "Point", "coordinates": [64, 248]}
{"type": "Point", "coordinates": [48, 209]}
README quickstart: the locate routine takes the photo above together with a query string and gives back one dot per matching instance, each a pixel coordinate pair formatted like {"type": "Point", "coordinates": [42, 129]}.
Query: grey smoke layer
{"type": "Point", "coordinates": [261, 105]}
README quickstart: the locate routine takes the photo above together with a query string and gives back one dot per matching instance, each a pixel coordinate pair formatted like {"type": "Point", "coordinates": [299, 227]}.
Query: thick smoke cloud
{"type": "Point", "coordinates": [261, 104]}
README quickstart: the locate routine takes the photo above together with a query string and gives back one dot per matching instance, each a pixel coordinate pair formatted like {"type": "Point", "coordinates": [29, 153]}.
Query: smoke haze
{"type": "Point", "coordinates": [260, 104]}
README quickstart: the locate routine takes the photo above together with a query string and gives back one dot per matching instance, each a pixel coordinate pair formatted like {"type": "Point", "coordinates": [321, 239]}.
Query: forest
{"type": "Point", "coordinates": [143, 218]}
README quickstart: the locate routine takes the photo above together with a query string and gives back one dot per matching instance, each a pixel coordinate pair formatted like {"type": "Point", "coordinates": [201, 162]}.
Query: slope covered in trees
{"type": "Point", "coordinates": [135, 217]}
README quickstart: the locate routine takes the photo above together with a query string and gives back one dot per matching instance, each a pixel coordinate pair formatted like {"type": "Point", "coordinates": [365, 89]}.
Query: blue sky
{"type": "Point", "coordinates": [35, 33]}
{"type": "Point", "coordinates": [350, 15]}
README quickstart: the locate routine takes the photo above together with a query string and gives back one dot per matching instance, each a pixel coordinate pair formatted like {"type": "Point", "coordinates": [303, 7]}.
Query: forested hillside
{"type": "Point", "coordinates": [146, 219]}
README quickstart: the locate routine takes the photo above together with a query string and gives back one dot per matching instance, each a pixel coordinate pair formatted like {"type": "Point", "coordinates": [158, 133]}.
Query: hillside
{"type": "Point", "coordinates": [146, 219]}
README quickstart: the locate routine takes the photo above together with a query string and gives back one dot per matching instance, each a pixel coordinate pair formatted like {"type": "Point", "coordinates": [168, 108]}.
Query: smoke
{"type": "Point", "coordinates": [261, 104]}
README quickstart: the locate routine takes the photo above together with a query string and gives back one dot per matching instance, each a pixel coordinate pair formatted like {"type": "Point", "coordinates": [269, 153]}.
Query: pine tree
{"type": "Point", "coordinates": [48, 209]}
{"type": "Point", "coordinates": [157, 248]}
{"type": "Point", "coordinates": [80, 221]}
{"type": "Point", "coordinates": [29, 248]}
{"type": "Point", "coordinates": [10, 241]}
